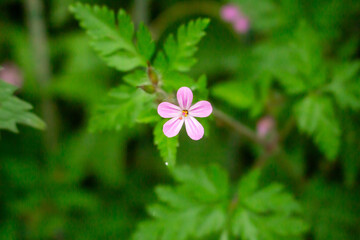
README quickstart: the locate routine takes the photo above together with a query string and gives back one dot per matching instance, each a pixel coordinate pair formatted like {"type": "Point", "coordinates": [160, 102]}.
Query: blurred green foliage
{"type": "Point", "coordinates": [105, 179]}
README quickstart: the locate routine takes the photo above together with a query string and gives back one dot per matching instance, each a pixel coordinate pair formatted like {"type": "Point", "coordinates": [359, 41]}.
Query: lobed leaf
{"type": "Point", "coordinates": [145, 44]}
{"type": "Point", "coordinates": [263, 211]}
{"type": "Point", "coordinates": [239, 94]}
{"type": "Point", "coordinates": [180, 51]}
{"type": "Point", "coordinates": [181, 214]}
{"type": "Point", "coordinates": [15, 111]}
{"type": "Point", "coordinates": [123, 106]}
{"type": "Point", "coordinates": [198, 207]}
{"type": "Point", "coordinates": [113, 42]}
{"type": "Point", "coordinates": [167, 146]}
{"type": "Point", "coordinates": [345, 85]}
{"type": "Point", "coordinates": [315, 116]}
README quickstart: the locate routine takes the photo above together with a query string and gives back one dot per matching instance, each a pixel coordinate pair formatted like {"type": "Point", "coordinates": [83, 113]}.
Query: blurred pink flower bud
{"type": "Point", "coordinates": [11, 73]}
{"type": "Point", "coordinates": [241, 25]}
{"type": "Point", "coordinates": [229, 13]}
{"type": "Point", "coordinates": [265, 126]}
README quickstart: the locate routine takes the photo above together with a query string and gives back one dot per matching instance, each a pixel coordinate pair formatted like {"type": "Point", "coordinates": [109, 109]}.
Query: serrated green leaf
{"type": "Point", "coordinates": [145, 43]}
{"type": "Point", "coordinates": [122, 107]}
{"type": "Point", "coordinates": [243, 226]}
{"type": "Point", "coordinates": [173, 80]}
{"type": "Point", "coordinates": [136, 78]}
{"type": "Point", "coordinates": [239, 94]}
{"type": "Point", "coordinates": [290, 226]}
{"type": "Point", "coordinates": [211, 182]}
{"type": "Point", "coordinates": [199, 207]}
{"type": "Point", "coordinates": [161, 62]}
{"type": "Point", "coordinates": [112, 42]}
{"type": "Point", "coordinates": [180, 52]}
{"type": "Point", "coordinates": [315, 116]}
{"type": "Point", "coordinates": [248, 184]}
{"type": "Point", "coordinates": [345, 85]}
{"type": "Point", "coordinates": [15, 111]}
{"type": "Point", "coordinates": [201, 87]}
{"type": "Point", "coordinates": [167, 146]}
{"type": "Point", "coordinates": [262, 211]}
{"type": "Point", "coordinates": [181, 215]}
{"type": "Point", "coordinates": [148, 230]}
{"type": "Point", "coordinates": [213, 221]}
{"type": "Point", "coordinates": [272, 198]}
{"type": "Point", "coordinates": [296, 62]}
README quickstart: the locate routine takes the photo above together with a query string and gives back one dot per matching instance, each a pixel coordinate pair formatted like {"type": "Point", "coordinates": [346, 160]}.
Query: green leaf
{"type": "Point", "coordinates": [173, 80]}
{"type": "Point", "coordinates": [167, 146]}
{"type": "Point", "coordinates": [122, 107]}
{"type": "Point", "coordinates": [239, 94]}
{"type": "Point", "coordinates": [211, 183]}
{"type": "Point", "coordinates": [180, 51]}
{"type": "Point", "coordinates": [260, 212]}
{"type": "Point", "coordinates": [248, 184]}
{"type": "Point", "coordinates": [295, 60]}
{"type": "Point", "coordinates": [145, 43]}
{"type": "Point", "coordinates": [180, 214]}
{"type": "Point", "coordinates": [112, 42]}
{"type": "Point", "coordinates": [272, 198]}
{"type": "Point", "coordinates": [345, 85]}
{"type": "Point", "coordinates": [148, 230]}
{"type": "Point", "coordinates": [315, 116]}
{"type": "Point", "coordinates": [199, 207]}
{"type": "Point", "coordinates": [201, 87]}
{"type": "Point", "coordinates": [82, 154]}
{"type": "Point", "coordinates": [15, 111]}
{"type": "Point", "coordinates": [243, 226]}
{"type": "Point", "coordinates": [137, 78]}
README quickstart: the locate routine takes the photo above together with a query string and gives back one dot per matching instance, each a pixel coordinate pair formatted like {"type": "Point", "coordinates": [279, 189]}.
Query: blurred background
{"type": "Point", "coordinates": [68, 183]}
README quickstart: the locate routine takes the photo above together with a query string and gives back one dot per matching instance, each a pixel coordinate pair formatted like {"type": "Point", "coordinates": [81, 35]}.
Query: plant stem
{"type": "Point", "coordinates": [37, 32]}
{"type": "Point", "coordinates": [181, 9]}
{"type": "Point", "coordinates": [238, 127]}
{"type": "Point", "coordinates": [140, 11]}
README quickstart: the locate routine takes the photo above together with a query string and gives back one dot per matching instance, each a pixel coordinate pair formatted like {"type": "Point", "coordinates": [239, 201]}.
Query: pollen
{"type": "Point", "coordinates": [185, 113]}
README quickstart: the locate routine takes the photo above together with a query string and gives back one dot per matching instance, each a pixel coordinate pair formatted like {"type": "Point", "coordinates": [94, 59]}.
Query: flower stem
{"type": "Point", "coordinates": [37, 32]}
{"type": "Point", "coordinates": [181, 9]}
{"type": "Point", "coordinates": [238, 127]}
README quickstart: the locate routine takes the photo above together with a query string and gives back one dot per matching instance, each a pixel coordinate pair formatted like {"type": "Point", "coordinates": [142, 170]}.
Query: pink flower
{"type": "Point", "coordinates": [11, 73]}
{"type": "Point", "coordinates": [184, 113]}
{"type": "Point", "coordinates": [264, 126]}
{"type": "Point", "coordinates": [231, 13]}
{"type": "Point", "coordinates": [241, 25]}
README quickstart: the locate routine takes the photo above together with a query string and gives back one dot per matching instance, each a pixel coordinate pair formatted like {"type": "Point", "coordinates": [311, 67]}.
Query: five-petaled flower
{"type": "Point", "coordinates": [184, 113]}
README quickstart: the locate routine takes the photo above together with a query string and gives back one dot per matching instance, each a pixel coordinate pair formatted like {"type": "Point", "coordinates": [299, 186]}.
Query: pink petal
{"type": "Point", "coordinates": [242, 25]}
{"type": "Point", "coordinates": [193, 128]}
{"type": "Point", "coordinates": [172, 127]}
{"type": "Point", "coordinates": [229, 12]}
{"type": "Point", "coordinates": [201, 109]}
{"type": "Point", "coordinates": [184, 97]}
{"type": "Point", "coordinates": [168, 110]}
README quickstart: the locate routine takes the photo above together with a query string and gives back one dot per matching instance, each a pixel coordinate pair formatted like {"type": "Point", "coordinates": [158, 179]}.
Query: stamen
{"type": "Point", "coordinates": [185, 113]}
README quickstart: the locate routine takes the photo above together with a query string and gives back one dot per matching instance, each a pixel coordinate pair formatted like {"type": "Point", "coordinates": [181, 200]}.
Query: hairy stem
{"type": "Point", "coordinates": [238, 126]}
{"type": "Point", "coordinates": [37, 32]}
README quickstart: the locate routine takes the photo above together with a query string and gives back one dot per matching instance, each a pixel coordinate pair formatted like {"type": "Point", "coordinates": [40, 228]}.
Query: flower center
{"type": "Point", "coordinates": [185, 113]}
